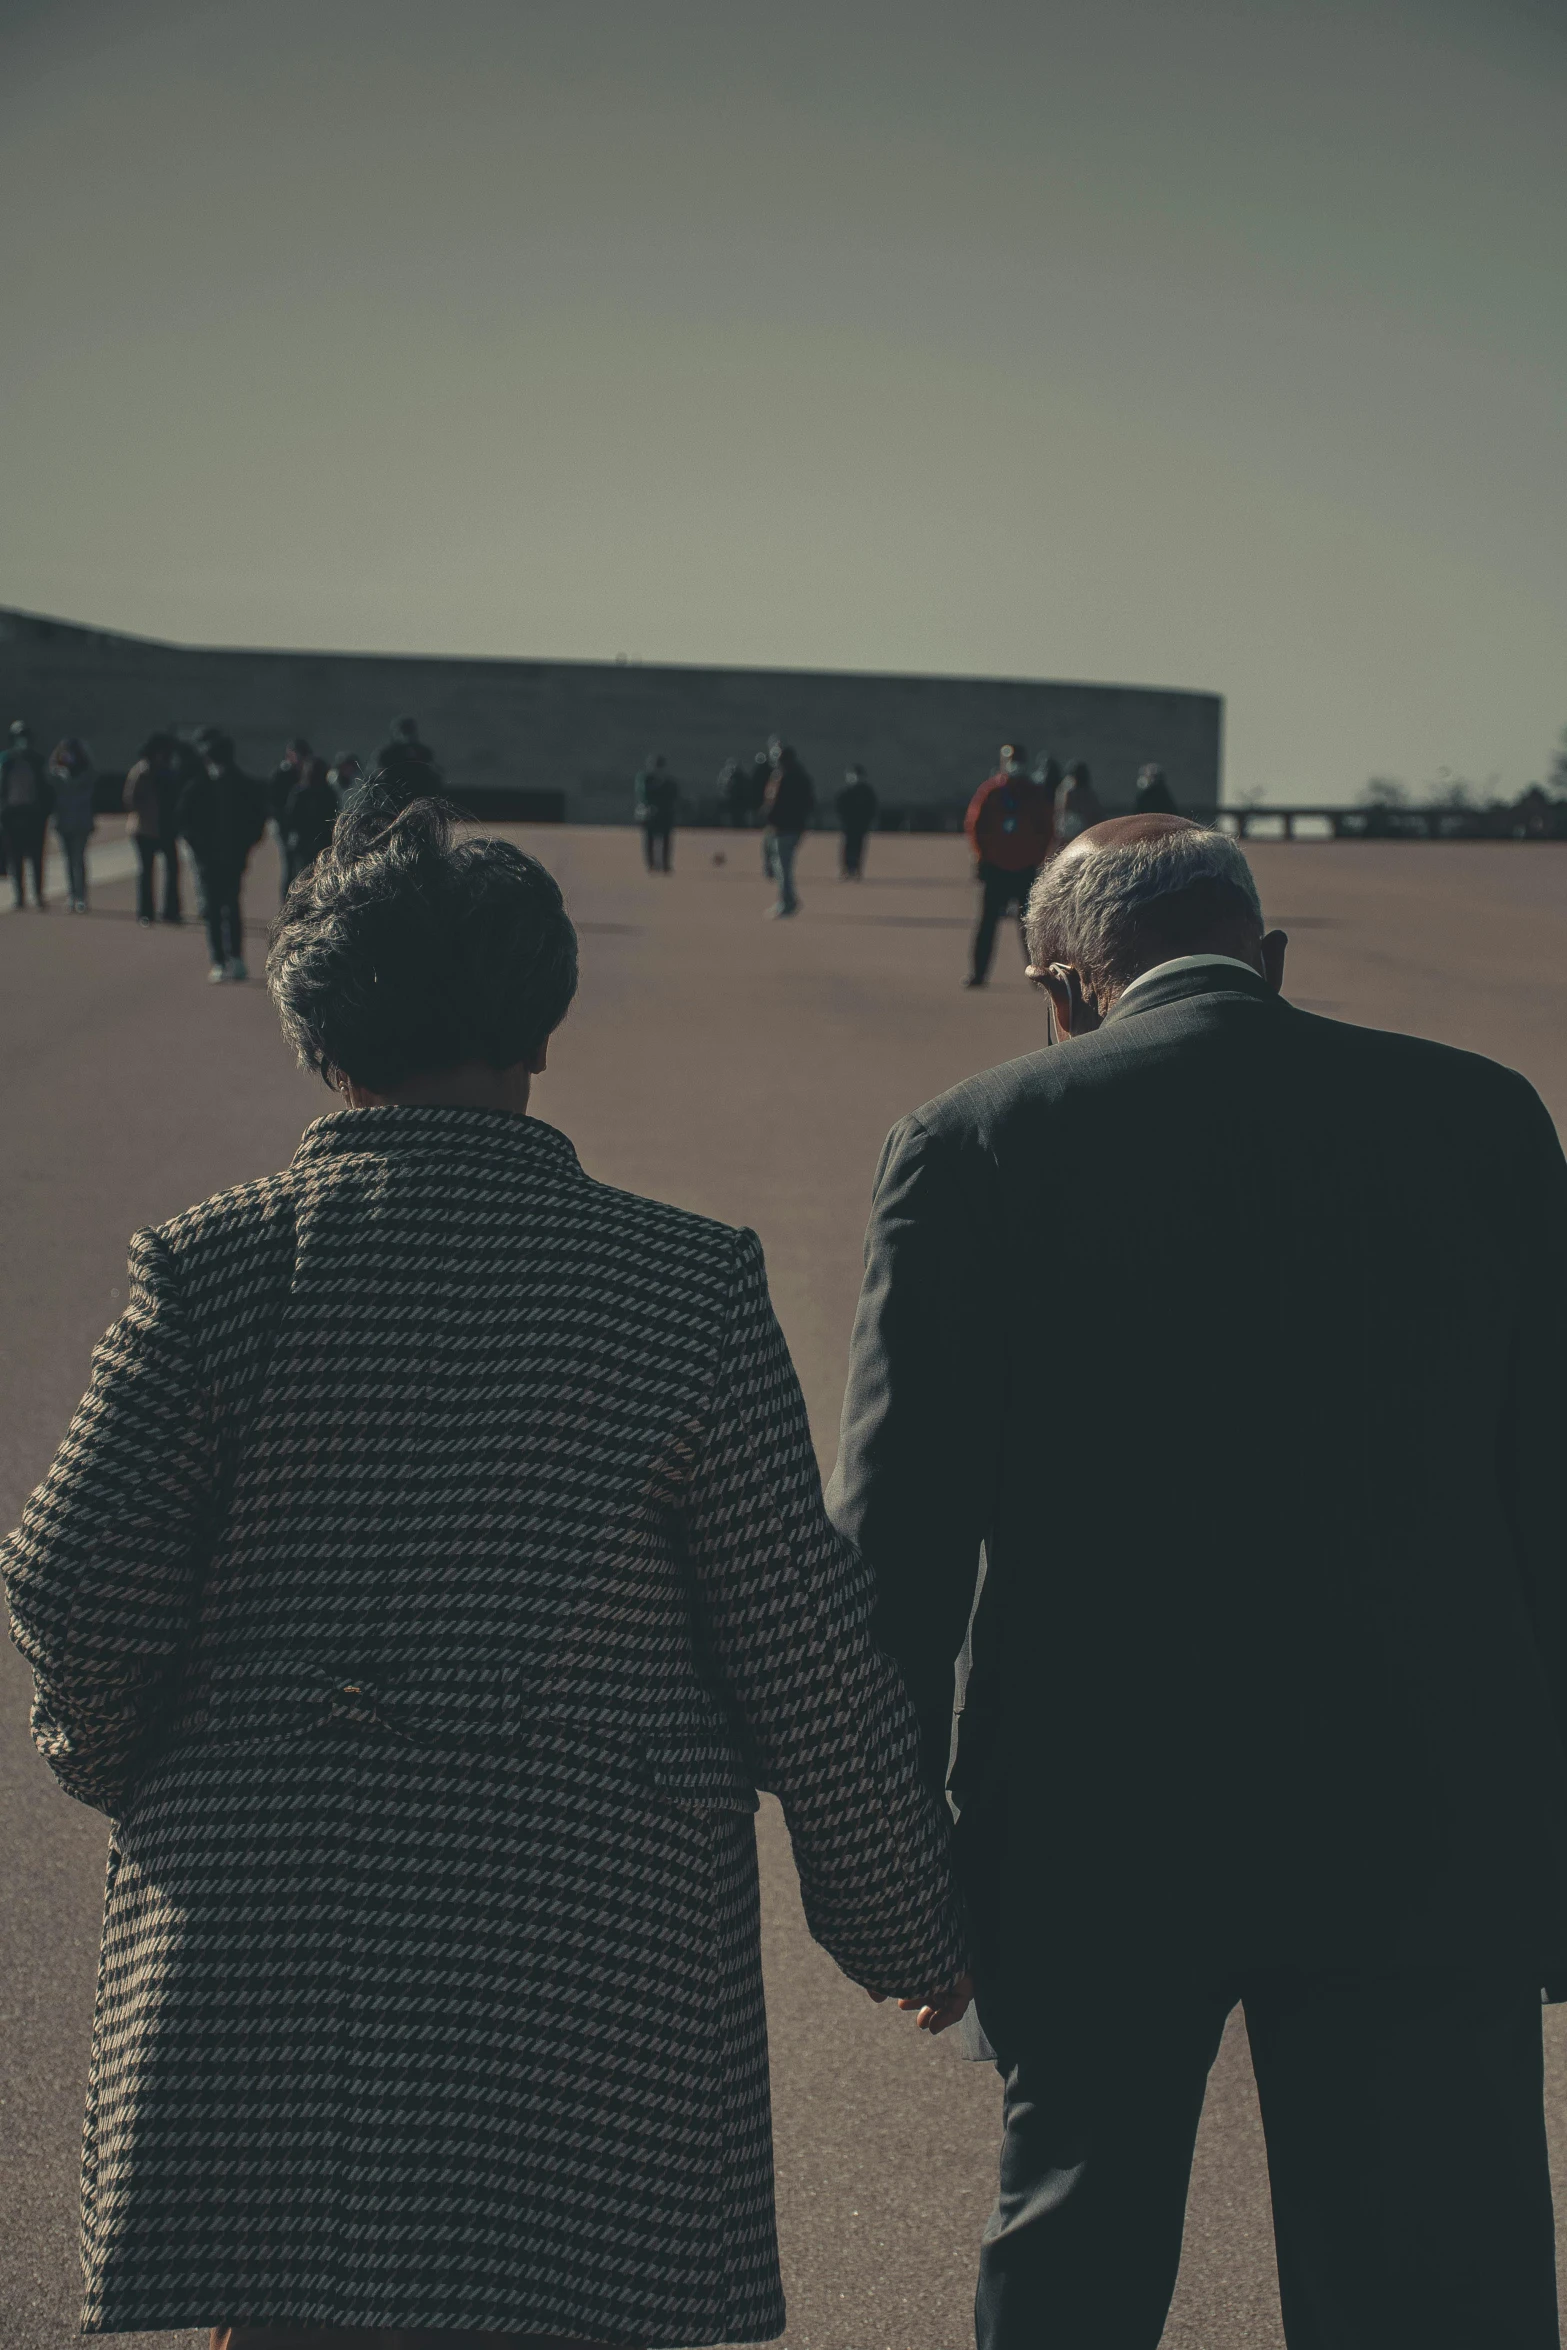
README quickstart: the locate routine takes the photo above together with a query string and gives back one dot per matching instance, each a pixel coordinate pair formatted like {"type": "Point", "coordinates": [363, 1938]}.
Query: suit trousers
{"type": "Point", "coordinates": [1001, 893]}
{"type": "Point", "coordinates": [1405, 2129]}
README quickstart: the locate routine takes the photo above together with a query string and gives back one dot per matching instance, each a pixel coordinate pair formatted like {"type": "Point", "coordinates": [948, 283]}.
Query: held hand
{"type": "Point", "coordinates": [943, 2007]}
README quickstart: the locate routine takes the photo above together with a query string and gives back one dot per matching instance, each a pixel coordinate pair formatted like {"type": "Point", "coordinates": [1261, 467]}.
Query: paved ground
{"type": "Point", "coordinates": [748, 1069]}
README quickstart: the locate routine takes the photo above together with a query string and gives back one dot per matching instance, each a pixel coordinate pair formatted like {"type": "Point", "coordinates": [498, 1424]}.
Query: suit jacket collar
{"type": "Point", "coordinates": [1173, 987]}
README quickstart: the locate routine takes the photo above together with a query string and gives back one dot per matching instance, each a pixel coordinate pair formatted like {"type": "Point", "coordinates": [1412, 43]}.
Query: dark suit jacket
{"type": "Point", "coordinates": [1237, 1336]}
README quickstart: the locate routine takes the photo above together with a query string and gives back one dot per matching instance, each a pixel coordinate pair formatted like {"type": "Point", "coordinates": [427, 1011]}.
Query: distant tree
{"type": "Point", "coordinates": [1450, 790]}
{"type": "Point", "coordinates": [1383, 792]}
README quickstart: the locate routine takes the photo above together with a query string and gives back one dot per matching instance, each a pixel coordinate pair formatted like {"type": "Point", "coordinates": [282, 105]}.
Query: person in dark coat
{"type": "Point", "coordinates": [222, 813]}
{"type": "Point", "coordinates": [154, 789]}
{"type": "Point", "coordinates": [1267, 1693]}
{"type": "Point", "coordinates": [71, 781]}
{"type": "Point", "coordinates": [1077, 802]}
{"type": "Point", "coordinates": [788, 805]}
{"type": "Point", "coordinates": [404, 747]}
{"type": "Point", "coordinates": [856, 813]}
{"type": "Point", "coordinates": [280, 790]}
{"type": "Point", "coordinates": [433, 1573]}
{"type": "Point", "coordinates": [1152, 795]}
{"type": "Point", "coordinates": [1010, 825]}
{"type": "Point", "coordinates": [657, 802]}
{"type": "Point", "coordinates": [308, 817]}
{"type": "Point", "coordinates": [24, 813]}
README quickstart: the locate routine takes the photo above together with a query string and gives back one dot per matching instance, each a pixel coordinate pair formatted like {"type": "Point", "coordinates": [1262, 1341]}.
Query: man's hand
{"type": "Point", "coordinates": [941, 2008]}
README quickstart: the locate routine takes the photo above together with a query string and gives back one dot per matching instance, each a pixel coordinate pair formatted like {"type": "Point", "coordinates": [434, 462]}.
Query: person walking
{"type": "Point", "coordinates": [1077, 803]}
{"type": "Point", "coordinates": [222, 813]}
{"type": "Point", "coordinates": [308, 817]}
{"type": "Point", "coordinates": [1265, 1700]}
{"type": "Point", "coordinates": [344, 772]}
{"type": "Point", "coordinates": [733, 794]}
{"type": "Point", "coordinates": [434, 1570]}
{"type": "Point", "coordinates": [154, 791]}
{"type": "Point", "coordinates": [657, 802]}
{"type": "Point", "coordinates": [787, 807]}
{"type": "Point", "coordinates": [72, 778]}
{"type": "Point", "coordinates": [405, 747]}
{"type": "Point", "coordinates": [24, 813]}
{"type": "Point", "coordinates": [1153, 796]}
{"type": "Point", "coordinates": [280, 790]}
{"type": "Point", "coordinates": [857, 814]}
{"type": "Point", "coordinates": [1010, 826]}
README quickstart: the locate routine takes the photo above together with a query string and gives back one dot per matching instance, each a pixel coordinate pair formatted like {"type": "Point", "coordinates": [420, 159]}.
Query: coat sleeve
{"type": "Point", "coordinates": [786, 1607]}
{"type": "Point", "coordinates": [918, 1450]}
{"type": "Point", "coordinates": [1534, 1419]}
{"type": "Point", "coordinates": [103, 1571]}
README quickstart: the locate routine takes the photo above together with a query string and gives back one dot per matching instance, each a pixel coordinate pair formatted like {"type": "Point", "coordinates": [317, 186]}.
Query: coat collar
{"type": "Point", "coordinates": [491, 1134]}
{"type": "Point", "coordinates": [1174, 987]}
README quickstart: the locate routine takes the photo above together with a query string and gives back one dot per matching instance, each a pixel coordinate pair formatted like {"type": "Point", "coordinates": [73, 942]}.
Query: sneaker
{"type": "Point", "coordinates": [144, 921]}
{"type": "Point", "coordinates": [217, 973]}
{"type": "Point", "coordinates": [237, 969]}
{"type": "Point", "coordinates": [974, 983]}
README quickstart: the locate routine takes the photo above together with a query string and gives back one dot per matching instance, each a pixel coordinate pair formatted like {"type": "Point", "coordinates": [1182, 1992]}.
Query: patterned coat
{"type": "Point", "coordinates": [432, 1572]}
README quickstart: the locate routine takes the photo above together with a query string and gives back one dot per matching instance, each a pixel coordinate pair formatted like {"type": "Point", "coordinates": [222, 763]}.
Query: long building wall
{"type": "Point", "coordinates": [584, 727]}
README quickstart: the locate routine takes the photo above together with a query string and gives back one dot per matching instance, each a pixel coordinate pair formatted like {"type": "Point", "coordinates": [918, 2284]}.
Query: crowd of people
{"type": "Point", "coordinates": [193, 790]}
{"type": "Point", "coordinates": [189, 790]}
{"type": "Point", "coordinates": [438, 1567]}
{"type": "Point", "coordinates": [1016, 817]}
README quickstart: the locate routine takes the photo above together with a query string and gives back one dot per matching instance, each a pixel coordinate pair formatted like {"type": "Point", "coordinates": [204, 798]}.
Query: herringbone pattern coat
{"type": "Point", "coordinates": [435, 1567]}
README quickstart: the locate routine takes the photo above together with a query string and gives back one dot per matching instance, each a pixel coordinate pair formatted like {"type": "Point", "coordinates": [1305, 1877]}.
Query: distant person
{"type": "Point", "coordinates": [344, 772]}
{"type": "Point", "coordinates": [280, 790]}
{"type": "Point", "coordinates": [72, 778]}
{"type": "Point", "coordinates": [1010, 825]}
{"type": "Point", "coordinates": [657, 801]}
{"type": "Point", "coordinates": [223, 814]}
{"type": "Point", "coordinates": [857, 814]}
{"type": "Point", "coordinates": [1077, 803]}
{"type": "Point", "coordinates": [24, 812]}
{"type": "Point", "coordinates": [733, 794]}
{"type": "Point", "coordinates": [405, 746]}
{"type": "Point", "coordinates": [787, 808]}
{"type": "Point", "coordinates": [158, 781]}
{"type": "Point", "coordinates": [762, 766]}
{"type": "Point", "coordinates": [1153, 796]}
{"type": "Point", "coordinates": [308, 818]}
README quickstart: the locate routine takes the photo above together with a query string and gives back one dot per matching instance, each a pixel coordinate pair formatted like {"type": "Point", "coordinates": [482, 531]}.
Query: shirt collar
{"type": "Point", "coordinates": [1186, 963]}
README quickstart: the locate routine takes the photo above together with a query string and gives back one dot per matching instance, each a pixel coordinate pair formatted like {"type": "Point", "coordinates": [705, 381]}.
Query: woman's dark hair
{"type": "Point", "coordinates": [403, 949]}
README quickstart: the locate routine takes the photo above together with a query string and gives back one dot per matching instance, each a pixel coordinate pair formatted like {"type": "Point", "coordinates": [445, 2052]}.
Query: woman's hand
{"type": "Point", "coordinates": [940, 2009]}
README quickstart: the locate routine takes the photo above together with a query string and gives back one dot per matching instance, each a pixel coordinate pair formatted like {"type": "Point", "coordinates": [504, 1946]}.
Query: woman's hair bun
{"type": "Point", "coordinates": [378, 818]}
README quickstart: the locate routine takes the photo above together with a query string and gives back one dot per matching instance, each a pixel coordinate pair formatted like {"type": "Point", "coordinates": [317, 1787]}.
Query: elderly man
{"type": "Point", "coordinates": [1268, 1695]}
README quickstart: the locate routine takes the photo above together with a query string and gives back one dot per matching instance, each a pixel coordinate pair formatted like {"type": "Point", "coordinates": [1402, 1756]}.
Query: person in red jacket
{"type": "Point", "coordinates": [1010, 826]}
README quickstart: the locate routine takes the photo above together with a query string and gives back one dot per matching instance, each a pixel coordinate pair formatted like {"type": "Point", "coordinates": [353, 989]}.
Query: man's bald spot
{"type": "Point", "coordinates": [1120, 832]}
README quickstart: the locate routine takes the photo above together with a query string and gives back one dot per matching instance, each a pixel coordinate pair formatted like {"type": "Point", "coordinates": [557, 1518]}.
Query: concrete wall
{"type": "Point", "coordinates": [585, 726]}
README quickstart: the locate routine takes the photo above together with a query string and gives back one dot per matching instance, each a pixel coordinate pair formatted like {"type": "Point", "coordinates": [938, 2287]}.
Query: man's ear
{"type": "Point", "coordinates": [1076, 1013]}
{"type": "Point", "coordinates": [1273, 946]}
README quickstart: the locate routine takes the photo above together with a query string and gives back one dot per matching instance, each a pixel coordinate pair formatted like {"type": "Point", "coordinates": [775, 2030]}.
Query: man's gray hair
{"type": "Point", "coordinates": [1111, 911]}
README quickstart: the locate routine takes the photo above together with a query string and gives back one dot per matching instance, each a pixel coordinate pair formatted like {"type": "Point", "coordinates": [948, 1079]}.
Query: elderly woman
{"type": "Point", "coordinates": [434, 1570]}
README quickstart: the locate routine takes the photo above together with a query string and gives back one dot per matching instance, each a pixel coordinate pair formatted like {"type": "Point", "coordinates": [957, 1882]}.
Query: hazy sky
{"type": "Point", "coordinates": [1214, 343]}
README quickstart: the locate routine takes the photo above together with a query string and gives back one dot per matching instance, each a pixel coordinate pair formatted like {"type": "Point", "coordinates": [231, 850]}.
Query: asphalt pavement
{"type": "Point", "coordinates": [749, 1069]}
